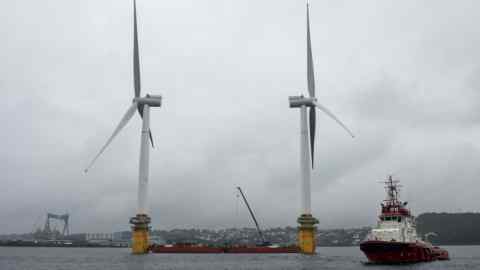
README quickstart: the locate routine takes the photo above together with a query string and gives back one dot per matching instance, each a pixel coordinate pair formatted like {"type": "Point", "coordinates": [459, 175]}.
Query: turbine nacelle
{"type": "Point", "coordinates": [299, 101]}
{"type": "Point", "coordinates": [150, 100]}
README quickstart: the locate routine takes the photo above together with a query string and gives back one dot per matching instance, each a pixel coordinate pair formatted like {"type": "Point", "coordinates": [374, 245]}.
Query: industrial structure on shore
{"type": "Point", "coordinates": [49, 233]}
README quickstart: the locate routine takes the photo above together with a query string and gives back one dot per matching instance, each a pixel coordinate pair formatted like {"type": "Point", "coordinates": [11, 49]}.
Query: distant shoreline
{"type": "Point", "coordinates": [124, 247]}
{"type": "Point", "coordinates": [444, 229]}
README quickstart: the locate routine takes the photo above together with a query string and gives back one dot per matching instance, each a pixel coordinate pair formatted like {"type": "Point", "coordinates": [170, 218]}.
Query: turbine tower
{"type": "Point", "coordinates": [307, 229]}
{"type": "Point", "coordinates": [140, 223]}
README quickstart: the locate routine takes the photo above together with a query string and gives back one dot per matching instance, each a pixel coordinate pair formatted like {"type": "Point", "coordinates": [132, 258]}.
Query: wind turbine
{"type": "Point", "coordinates": [306, 236]}
{"type": "Point", "coordinates": [141, 221]}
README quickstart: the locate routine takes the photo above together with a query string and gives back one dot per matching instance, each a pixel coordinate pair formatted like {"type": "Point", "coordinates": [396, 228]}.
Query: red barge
{"type": "Point", "coordinates": [264, 247]}
{"type": "Point", "coordinates": [191, 248]}
{"type": "Point", "coordinates": [185, 248]}
{"type": "Point", "coordinates": [395, 240]}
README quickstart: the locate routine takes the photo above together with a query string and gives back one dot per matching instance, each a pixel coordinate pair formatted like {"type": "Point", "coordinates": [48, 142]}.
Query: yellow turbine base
{"type": "Point", "coordinates": [140, 240]}
{"type": "Point", "coordinates": [306, 240]}
{"type": "Point", "coordinates": [306, 234]}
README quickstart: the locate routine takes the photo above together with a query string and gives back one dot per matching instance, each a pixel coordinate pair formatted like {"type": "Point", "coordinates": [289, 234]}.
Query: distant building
{"type": "Point", "coordinates": [99, 237]}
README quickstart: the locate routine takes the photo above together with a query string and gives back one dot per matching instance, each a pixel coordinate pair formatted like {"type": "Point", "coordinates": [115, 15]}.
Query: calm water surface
{"type": "Point", "coordinates": [16, 258]}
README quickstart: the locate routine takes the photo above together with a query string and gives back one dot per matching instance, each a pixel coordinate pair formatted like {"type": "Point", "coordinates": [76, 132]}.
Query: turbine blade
{"type": "Point", "coordinates": [329, 113]}
{"type": "Point", "coordinates": [140, 110]}
{"type": "Point", "coordinates": [136, 57]}
{"type": "Point", "coordinates": [128, 115]}
{"type": "Point", "coordinates": [151, 138]}
{"type": "Point", "coordinates": [310, 71]}
{"type": "Point", "coordinates": [313, 121]}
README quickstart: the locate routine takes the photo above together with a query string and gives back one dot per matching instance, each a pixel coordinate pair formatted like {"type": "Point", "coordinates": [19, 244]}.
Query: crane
{"type": "Point", "coordinates": [260, 233]}
{"type": "Point", "coordinates": [63, 218]}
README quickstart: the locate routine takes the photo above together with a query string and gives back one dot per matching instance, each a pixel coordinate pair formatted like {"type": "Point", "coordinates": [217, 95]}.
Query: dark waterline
{"type": "Point", "coordinates": [16, 258]}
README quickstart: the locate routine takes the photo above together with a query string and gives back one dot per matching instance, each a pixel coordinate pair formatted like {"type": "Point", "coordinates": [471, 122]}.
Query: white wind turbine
{"type": "Point", "coordinates": [307, 141]}
{"type": "Point", "coordinates": [142, 104]}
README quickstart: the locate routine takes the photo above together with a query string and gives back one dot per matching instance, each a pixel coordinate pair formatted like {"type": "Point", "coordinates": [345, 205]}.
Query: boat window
{"type": "Point", "coordinates": [399, 219]}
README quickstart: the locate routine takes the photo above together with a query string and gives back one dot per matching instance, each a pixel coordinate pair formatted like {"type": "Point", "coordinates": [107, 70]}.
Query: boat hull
{"type": "Point", "coordinates": [228, 249]}
{"type": "Point", "coordinates": [401, 252]}
{"type": "Point", "coordinates": [260, 249]}
{"type": "Point", "coordinates": [185, 249]}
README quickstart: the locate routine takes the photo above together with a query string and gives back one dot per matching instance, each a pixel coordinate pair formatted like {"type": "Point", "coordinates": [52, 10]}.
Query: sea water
{"type": "Point", "coordinates": [23, 258]}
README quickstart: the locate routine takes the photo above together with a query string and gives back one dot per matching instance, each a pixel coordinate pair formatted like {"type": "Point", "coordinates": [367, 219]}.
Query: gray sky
{"type": "Point", "coordinates": [403, 75]}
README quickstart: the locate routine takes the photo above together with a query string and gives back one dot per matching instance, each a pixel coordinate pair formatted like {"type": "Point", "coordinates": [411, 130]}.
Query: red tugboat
{"type": "Point", "coordinates": [395, 240]}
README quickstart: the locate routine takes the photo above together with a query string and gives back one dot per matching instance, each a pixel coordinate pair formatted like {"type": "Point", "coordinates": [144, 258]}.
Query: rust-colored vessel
{"type": "Point", "coordinates": [185, 248]}
{"type": "Point", "coordinates": [262, 249]}
{"type": "Point", "coordinates": [192, 248]}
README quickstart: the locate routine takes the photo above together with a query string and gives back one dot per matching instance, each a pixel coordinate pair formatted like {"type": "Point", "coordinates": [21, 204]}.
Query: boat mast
{"type": "Point", "coordinates": [252, 215]}
{"type": "Point", "coordinates": [392, 188]}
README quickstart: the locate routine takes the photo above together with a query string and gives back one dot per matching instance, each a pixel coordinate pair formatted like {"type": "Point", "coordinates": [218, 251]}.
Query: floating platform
{"type": "Point", "coordinates": [263, 249]}
{"type": "Point", "coordinates": [192, 248]}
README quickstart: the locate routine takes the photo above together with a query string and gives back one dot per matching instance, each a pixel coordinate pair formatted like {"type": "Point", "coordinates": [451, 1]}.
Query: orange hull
{"type": "Point", "coordinates": [185, 248]}
{"type": "Point", "coordinates": [260, 249]}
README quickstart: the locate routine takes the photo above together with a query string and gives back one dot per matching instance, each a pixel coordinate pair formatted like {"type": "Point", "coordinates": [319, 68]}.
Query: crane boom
{"type": "Point", "coordinates": [253, 216]}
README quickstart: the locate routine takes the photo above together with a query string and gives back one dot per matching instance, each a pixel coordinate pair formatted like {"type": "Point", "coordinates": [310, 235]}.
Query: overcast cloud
{"type": "Point", "coordinates": [403, 75]}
